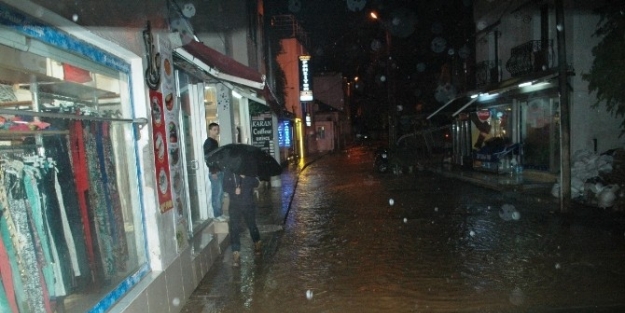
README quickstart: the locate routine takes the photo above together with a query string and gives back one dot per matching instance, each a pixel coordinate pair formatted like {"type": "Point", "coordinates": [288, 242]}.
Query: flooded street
{"type": "Point", "coordinates": [357, 241]}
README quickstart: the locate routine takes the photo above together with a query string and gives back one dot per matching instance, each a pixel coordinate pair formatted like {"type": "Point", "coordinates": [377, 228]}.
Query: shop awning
{"type": "Point", "coordinates": [221, 66]}
{"type": "Point", "coordinates": [509, 87]}
{"type": "Point", "coordinates": [264, 97]}
{"type": "Point", "coordinates": [442, 107]}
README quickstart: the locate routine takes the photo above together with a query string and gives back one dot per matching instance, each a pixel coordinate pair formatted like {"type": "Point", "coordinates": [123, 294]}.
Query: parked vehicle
{"type": "Point", "coordinates": [414, 151]}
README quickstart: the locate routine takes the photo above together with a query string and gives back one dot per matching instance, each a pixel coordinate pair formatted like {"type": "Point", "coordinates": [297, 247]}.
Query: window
{"type": "Point", "coordinates": [69, 173]}
{"type": "Point", "coordinates": [321, 132]}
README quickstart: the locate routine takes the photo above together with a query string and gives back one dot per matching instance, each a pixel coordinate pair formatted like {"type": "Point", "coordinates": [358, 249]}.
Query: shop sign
{"type": "Point", "coordinates": [284, 134]}
{"type": "Point", "coordinates": [483, 115]}
{"type": "Point", "coordinates": [305, 86]}
{"type": "Point", "coordinates": [161, 157]}
{"type": "Point", "coordinates": [262, 132]}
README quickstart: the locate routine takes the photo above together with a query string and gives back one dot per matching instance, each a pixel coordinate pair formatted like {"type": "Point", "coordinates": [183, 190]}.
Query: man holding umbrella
{"type": "Point", "coordinates": [240, 189]}
{"type": "Point", "coordinates": [242, 165]}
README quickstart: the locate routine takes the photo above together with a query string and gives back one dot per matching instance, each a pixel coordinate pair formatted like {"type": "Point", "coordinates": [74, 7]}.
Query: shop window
{"type": "Point", "coordinates": [70, 222]}
{"type": "Point", "coordinates": [321, 132]}
{"type": "Point", "coordinates": [540, 135]}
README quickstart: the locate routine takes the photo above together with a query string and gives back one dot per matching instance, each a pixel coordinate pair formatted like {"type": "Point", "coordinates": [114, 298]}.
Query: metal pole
{"type": "Point", "coordinates": [565, 122]}
{"type": "Point", "coordinates": [390, 81]}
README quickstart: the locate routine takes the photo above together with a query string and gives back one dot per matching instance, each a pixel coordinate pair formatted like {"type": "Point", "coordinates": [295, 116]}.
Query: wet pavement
{"type": "Point", "coordinates": [340, 238]}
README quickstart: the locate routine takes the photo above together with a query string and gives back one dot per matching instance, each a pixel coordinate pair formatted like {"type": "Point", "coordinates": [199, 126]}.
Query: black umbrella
{"type": "Point", "coordinates": [245, 160]}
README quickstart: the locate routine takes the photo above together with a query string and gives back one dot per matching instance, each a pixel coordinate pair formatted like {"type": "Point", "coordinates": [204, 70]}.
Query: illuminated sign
{"type": "Point", "coordinates": [262, 132]}
{"type": "Point", "coordinates": [284, 134]}
{"type": "Point", "coordinates": [305, 93]}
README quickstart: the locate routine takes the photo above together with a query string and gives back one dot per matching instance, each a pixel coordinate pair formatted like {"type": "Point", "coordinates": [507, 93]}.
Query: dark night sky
{"type": "Point", "coordinates": [342, 40]}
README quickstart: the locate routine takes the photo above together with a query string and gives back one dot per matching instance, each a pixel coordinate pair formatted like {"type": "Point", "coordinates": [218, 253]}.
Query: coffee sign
{"type": "Point", "coordinates": [262, 132]}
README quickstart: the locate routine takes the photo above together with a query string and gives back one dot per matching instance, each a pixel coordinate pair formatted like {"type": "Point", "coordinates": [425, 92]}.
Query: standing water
{"type": "Point", "coordinates": [356, 241]}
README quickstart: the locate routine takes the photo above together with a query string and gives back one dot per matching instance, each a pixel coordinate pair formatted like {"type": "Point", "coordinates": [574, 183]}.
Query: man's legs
{"type": "Point", "coordinates": [234, 224]}
{"type": "Point", "coordinates": [249, 214]}
{"type": "Point", "coordinates": [217, 193]}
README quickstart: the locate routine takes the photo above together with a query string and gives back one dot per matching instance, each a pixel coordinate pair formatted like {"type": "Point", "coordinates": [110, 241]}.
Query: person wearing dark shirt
{"type": "Point", "coordinates": [240, 189]}
{"type": "Point", "coordinates": [216, 175]}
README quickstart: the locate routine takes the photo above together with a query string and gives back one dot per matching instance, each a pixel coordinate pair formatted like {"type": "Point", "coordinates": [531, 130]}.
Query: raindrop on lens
{"type": "Point", "coordinates": [516, 216]}
{"type": "Point", "coordinates": [75, 17]}
{"type": "Point", "coordinates": [559, 27]}
{"type": "Point", "coordinates": [309, 294]}
{"type": "Point", "coordinates": [405, 220]}
{"type": "Point", "coordinates": [471, 233]}
{"type": "Point", "coordinates": [175, 302]}
{"type": "Point", "coordinates": [435, 209]}
{"type": "Point", "coordinates": [391, 201]}
{"type": "Point", "coordinates": [557, 266]}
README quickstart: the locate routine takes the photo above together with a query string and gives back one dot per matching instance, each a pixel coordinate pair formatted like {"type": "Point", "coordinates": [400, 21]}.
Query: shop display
{"type": "Point", "coordinates": [67, 235]}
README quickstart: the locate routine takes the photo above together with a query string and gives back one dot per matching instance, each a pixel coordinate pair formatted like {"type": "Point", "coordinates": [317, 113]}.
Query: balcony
{"type": "Point", "coordinates": [487, 72]}
{"type": "Point", "coordinates": [531, 57]}
{"type": "Point", "coordinates": [287, 26]}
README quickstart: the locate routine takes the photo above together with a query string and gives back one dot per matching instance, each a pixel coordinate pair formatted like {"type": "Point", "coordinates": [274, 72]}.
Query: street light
{"type": "Point", "coordinates": [390, 83]}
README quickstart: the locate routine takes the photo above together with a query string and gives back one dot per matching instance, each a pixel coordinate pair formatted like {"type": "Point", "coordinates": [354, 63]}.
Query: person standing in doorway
{"type": "Point", "coordinates": [240, 189]}
{"type": "Point", "coordinates": [216, 175]}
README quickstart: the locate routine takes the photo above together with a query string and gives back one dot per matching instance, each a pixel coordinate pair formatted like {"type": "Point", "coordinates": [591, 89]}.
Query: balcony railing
{"type": "Point", "coordinates": [487, 72]}
{"type": "Point", "coordinates": [531, 57]}
{"type": "Point", "coordinates": [287, 26]}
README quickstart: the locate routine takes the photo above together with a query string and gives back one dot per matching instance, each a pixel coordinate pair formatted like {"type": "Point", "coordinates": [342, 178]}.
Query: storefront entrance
{"type": "Point", "coordinates": [540, 132]}
{"type": "Point", "coordinates": [193, 125]}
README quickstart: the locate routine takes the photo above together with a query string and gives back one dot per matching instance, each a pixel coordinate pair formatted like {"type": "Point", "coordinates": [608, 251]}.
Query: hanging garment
{"type": "Point", "coordinates": [77, 274]}
{"type": "Point", "coordinates": [9, 237]}
{"type": "Point", "coordinates": [36, 202]}
{"type": "Point", "coordinates": [107, 157]}
{"type": "Point", "coordinates": [81, 178]}
{"type": "Point", "coordinates": [98, 204]}
{"type": "Point", "coordinates": [55, 231]}
{"type": "Point", "coordinates": [6, 275]}
{"type": "Point", "coordinates": [24, 245]}
{"type": "Point", "coordinates": [67, 231]}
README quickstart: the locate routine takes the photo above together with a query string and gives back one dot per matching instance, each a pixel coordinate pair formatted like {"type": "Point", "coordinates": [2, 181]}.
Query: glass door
{"type": "Point", "coordinates": [540, 134]}
{"type": "Point", "coordinates": [192, 124]}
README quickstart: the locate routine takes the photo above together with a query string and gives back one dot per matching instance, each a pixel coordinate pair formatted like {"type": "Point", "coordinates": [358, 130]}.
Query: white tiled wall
{"type": "Point", "coordinates": [167, 292]}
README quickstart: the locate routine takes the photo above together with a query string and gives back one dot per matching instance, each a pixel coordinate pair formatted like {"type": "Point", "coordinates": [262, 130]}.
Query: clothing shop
{"type": "Point", "coordinates": [72, 227]}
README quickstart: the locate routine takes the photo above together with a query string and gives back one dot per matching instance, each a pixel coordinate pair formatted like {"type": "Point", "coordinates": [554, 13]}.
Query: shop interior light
{"type": "Point", "coordinates": [542, 84]}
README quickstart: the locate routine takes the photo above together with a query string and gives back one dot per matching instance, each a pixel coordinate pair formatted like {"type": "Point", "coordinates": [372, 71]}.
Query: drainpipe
{"type": "Point", "coordinates": [565, 120]}
{"type": "Point", "coordinates": [496, 44]}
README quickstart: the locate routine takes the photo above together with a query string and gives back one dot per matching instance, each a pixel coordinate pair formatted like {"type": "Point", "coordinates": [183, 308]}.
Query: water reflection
{"type": "Point", "coordinates": [438, 246]}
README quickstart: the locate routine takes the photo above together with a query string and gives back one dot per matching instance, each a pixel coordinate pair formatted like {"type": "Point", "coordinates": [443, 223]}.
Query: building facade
{"type": "Point", "coordinates": [106, 202]}
{"type": "Point", "coordinates": [512, 117]}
